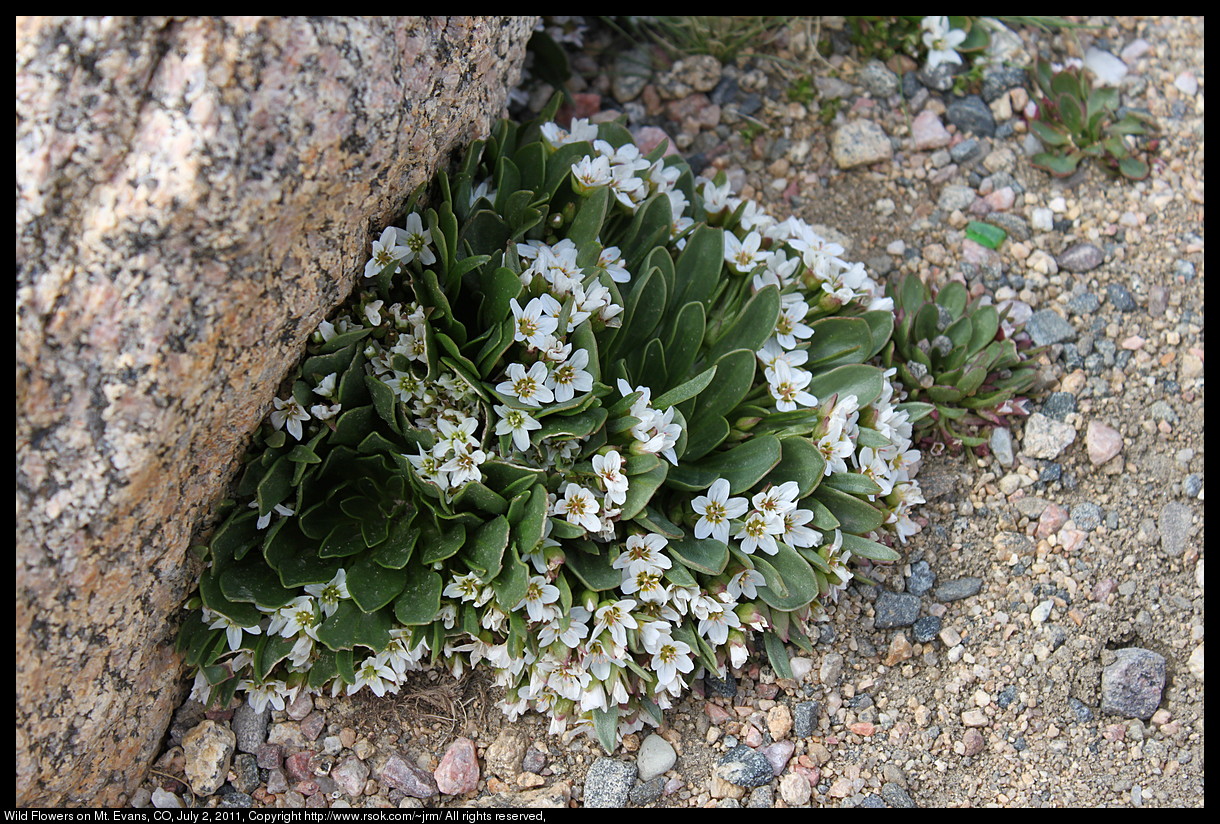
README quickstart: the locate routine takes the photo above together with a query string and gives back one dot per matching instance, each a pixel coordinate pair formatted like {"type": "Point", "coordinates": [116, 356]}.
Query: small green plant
{"type": "Point", "coordinates": [591, 422]}
{"type": "Point", "coordinates": [957, 358]}
{"type": "Point", "coordinates": [801, 90]}
{"type": "Point", "coordinates": [723, 37]}
{"type": "Point", "coordinates": [1075, 121]}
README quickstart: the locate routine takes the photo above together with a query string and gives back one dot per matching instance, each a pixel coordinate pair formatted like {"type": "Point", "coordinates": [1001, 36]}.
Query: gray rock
{"type": "Point", "coordinates": [958, 589]}
{"type": "Point", "coordinates": [207, 750]}
{"type": "Point", "coordinates": [1184, 269]}
{"type": "Point", "coordinates": [697, 73]}
{"type": "Point", "coordinates": [1120, 298]}
{"type": "Point", "coordinates": [1192, 485]}
{"type": "Point", "coordinates": [245, 773]}
{"type": "Point", "coordinates": [608, 783]}
{"type": "Point", "coordinates": [1162, 411]}
{"type": "Point", "coordinates": [179, 180]}
{"type": "Point", "coordinates": [236, 801]}
{"type": "Point", "coordinates": [921, 578]}
{"type": "Point", "coordinates": [1046, 327]}
{"type": "Point", "coordinates": [1059, 405]}
{"type": "Point", "coordinates": [725, 687]}
{"type": "Point", "coordinates": [632, 71]}
{"type": "Point", "coordinates": [655, 757]}
{"type": "Point", "coordinates": [408, 777]}
{"type": "Point", "coordinates": [871, 801]}
{"type": "Point", "coordinates": [896, 796]}
{"type": "Point", "coordinates": [926, 628]}
{"type": "Point", "coordinates": [1079, 710]}
{"type": "Point", "coordinates": [1016, 226]}
{"type": "Point", "coordinates": [999, 79]}
{"type": "Point", "coordinates": [646, 792]}
{"type": "Point", "coordinates": [250, 727]}
{"type": "Point", "coordinates": [350, 774]}
{"type": "Point", "coordinates": [804, 717]}
{"type": "Point", "coordinates": [1001, 446]}
{"type": "Point", "coordinates": [1175, 527]}
{"type": "Point", "coordinates": [761, 798]}
{"type": "Point", "coordinates": [968, 151]}
{"type": "Point", "coordinates": [1046, 437]}
{"type": "Point", "coordinates": [1085, 303]}
{"type": "Point", "coordinates": [1006, 697]}
{"type": "Point", "coordinates": [1131, 686]}
{"type": "Point", "coordinates": [971, 115]}
{"type": "Point", "coordinates": [879, 80]}
{"type": "Point", "coordinates": [938, 78]}
{"type": "Point", "coordinates": [1080, 257]}
{"type": "Point", "coordinates": [744, 767]}
{"type": "Point", "coordinates": [955, 197]}
{"type": "Point", "coordinates": [1087, 516]}
{"type": "Point", "coordinates": [830, 88]}
{"type": "Point", "coordinates": [1107, 68]}
{"type": "Point", "coordinates": [831, 670]}
{"type": "Point", "coordinates": [860, 143]}
{"type": "Point", "coordinates": [895, 609]}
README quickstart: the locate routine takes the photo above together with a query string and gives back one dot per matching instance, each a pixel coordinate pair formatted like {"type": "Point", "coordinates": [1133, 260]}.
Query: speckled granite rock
{"type": "Point", "coordinates": [193, 196]}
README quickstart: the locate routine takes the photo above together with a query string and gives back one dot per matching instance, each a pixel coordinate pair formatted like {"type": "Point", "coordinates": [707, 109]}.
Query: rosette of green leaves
{"type": "Point", "coordinates": [1076, 121]}
{"type": "Point", "coordinates": [689, 333]}
{"type": "Point", "coordinates": [954, 359]}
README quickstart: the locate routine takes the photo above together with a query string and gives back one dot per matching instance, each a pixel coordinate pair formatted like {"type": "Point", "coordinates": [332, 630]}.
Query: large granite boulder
{"type": "Point", "coordinates": [193, 196]}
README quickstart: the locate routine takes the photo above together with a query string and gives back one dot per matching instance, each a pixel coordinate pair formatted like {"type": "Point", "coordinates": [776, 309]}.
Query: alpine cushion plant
{"type": "Point", "coordinates": [964, 363]}
{"type": "Point", "coordinates": [592, 422]}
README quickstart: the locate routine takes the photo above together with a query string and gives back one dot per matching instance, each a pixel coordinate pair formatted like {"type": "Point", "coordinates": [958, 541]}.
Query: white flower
{"type": "Point", "coordinates": [538, 596]}
{"type": "Point", "coordinates": [611, 259]}
{"type": "Point", "coordinates": [777, 500]}
{"type": "Point", "coordinates": [744, 583]}
{"type": "Point", "coordinates": [796, 534]}
{"type": "Point", "coordinates": [715, 627]}
{"type": "Point", "coordinates": [787, 385]}
{"type": "Point", "coordinates": [330, 594]}
{"type": "Point", "coordinates": [791, 322]}
{"type": "Point", "coordinates": [580, 507]}
{"type": "Point", "coordinates": [417, 239]}
{"type": "Point", "coordinates": [258, 696]}
{"type": "Point", "coordinates": [570, 377]}
{"type": "Point", "coordinates": [616, 618]}
{"type": "Point", "coordinates": [743, 255]}
{"type": "Point", "coordinates": [579, 130]}
{"type": "Point", "coordinates": [233, 631]}
{"type": "Point", "coordinates": [527, 387]}
{"type": "Point", "coordinates": [429, 468]}
{"type": "Point", "coordinates": [518, 423]}
{"type": "Point", "coordinates": [534, 324]}
{"type": "Point", "coordinates": [326, 386]}
{"type": "Point", "coordinates": [406, 385]}
{"type": "Point", "coordinates": [759, 532]}
{"type": "Point", "coordinates": [942, 41]}
{"type": "Point", "coordinates": [289, 413]}
{"type": "Point", "coordinates": [376, 674]}
{"type": "Point", "coordinates": [386, 250]}
{"type": "Point", "coordinates": [646, 582]}
{"type": "Point", "coordinates": [671, 658]}
{"type": "Point", "coordinates": [464, 465]}
{"type": "Point", "coordinates": [591, 173]}
{"type": "Point", "coordinates": [609, 469]}
{"type": "Point", "coordinates": [372, 312]}
{"type": "Point", "coordinates": [264, 520]}
{"type": "Point", "coordinates": [455, 436]}
{"type": "Point", "coordinates": [715, 510]}
{"type": "Point", "coordinates": [643, 552]}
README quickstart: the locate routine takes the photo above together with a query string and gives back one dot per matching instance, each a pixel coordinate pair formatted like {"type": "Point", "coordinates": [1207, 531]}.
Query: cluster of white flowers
{"type": "Point", "coordinates": [630, 645]}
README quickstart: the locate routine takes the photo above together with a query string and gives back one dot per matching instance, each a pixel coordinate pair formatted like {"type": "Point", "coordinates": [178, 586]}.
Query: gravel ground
{"type": "Point", "coordinates": [1012, 661]}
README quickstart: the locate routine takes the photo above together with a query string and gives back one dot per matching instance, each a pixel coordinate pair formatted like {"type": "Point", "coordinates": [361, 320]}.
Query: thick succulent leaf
{"type": "Point", "coordinates": [699, 266]}
{"type": "Point", "coordinates": [704, 435]}
{"type": "Point", "coordinates": [790, 583]}
{"type": "Point", "coordinates": [682, 342]}
{"type": "Point", "coordinates": [437, 545]}
{"type": "Point", "coordinates": [641, 489]}
{"type": "Point", "coordinates": [985, 234]}
{"type": "Point", "coordinates": [838, 340]}
{"type": "Point", "coordinates": [861, 380]}
{"type": "Point", "coordinates": [706, 555]}
{"type": "Point", "coordinates": [752, 326]}
{"type": "Point", "coordinates": [1060, 165]}
{"type": "Point", "coordinates": [1050, 134]}
{"type": "Point", "coordinates": [867, 548]}
{"type": "Point", "coordinates": [594, 571]}
{"type": "Point", "coordinates": [605, 726]}
{"type": "Point", "coordinates": [742, 466]}
{"type": "Point", "coordinates": [420, 599]}
{"type": "Point", "coordinates": [800, 461]}
{"type": "Point", "coordinates": [239, 612]}
{"type": "Point", "coordinates": [349, 627]}
{"type": "Point", "coordinates": [852, 483]}
{"type": "Point", "coordinates": [511, 584]}
{"type": "Point", "coordinates": [734, 377]}
{"type": "Point", "coordinates": [484, 552]}
{"type": "Point", "coordinates": [233, 539]}
{"type": "Point", "coordinates": [372, 586]}
{"type": "Point", "coordinates": [853, 514]}
{"type": "Point", "coordinates": [685, 391]}
{"type": "Point", "coordinates": [653, 520]}
{"type": "Point", "coordinates": [777, 655]}
{"type": "Point", "coordinates": [880, 327]}
{"type": "Point", "coordinates": [254, 583]}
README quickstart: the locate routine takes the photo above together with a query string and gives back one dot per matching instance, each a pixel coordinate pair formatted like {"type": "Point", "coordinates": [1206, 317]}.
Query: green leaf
{"type": "Point", "coordinates": [528, 532]}
{"type": "Point", "coordinates": [1049, 134]}
{"type": "Point", "coordinates": [342, 341]}
{"type": "Point", "coordinates": [344, 540]}
{"type": "Point", "coordinates": [852, 483]}
{"type": "Point", "coordinates": [777, 655]}
{"type": "Point", "coordinates": [420, 599]}
{"type": "Point", "coordinates": [742, 466]}
{"type": "Point", "coordinates": [594, 571]}
{"type": "Point", "coordinates": [734, 377]}
{"type": "Point", "coordinates": [881, 327]}
{"type": "Point", "coordinates": [790, 583]}
{"type": "Point", "coordinates": [372, 586]}
{"type": "Point", "coordinates": [484, 552]}
{"type": "Point", "coordinates": [323, 668]}
{"type": "Point", "coordinates": [1058, 165]}
{"type": "Point", "coordinates": [984, 234]}
{"type": "Point", "coordinates": [354, 425]}
{"type": "Point", "coordinates": [235, 536]}
{"type": "Point", "coordinates": [275, 485]}
{"type": "Point", "coordinates": [348, 628]}
{"type": "Point", "coordinates": [699, 266]}
{"type": "Point", "coordinates": [641, 489]}
{"type": "Point", "coordinates": [872, 438]}
{"type": "Point", "coordinates": [587, 224]}
{"type": "Point", "coordinates": [752, 326]}
{"type": "Point", "coordinates": [861, 380]}
{"type": "Point", "coordinates": [1133, 168]}
{"type": "Point", "coordinates": [475, 495]}
{"type": "Point", "coordinates": [510, 586]}
{"type": "Point", "coordinates": [270, 651]}
{"type": "Point", "coordinates": [853, 514]}
{"type": "Point", "coordinates": [255, 583]}
{"type": "Point", "coordinates": [685, 391]}
{"type": "Point", "coordinates": [838, 340]}
{"type": "Point", "coordinates": [706, 555]}
{"type": "Point", "coordinates": [866, 548]}
{"type": "Point", "coordinates": [605, 726]}
{"type": "Point", "coordinates": [800, 461]}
